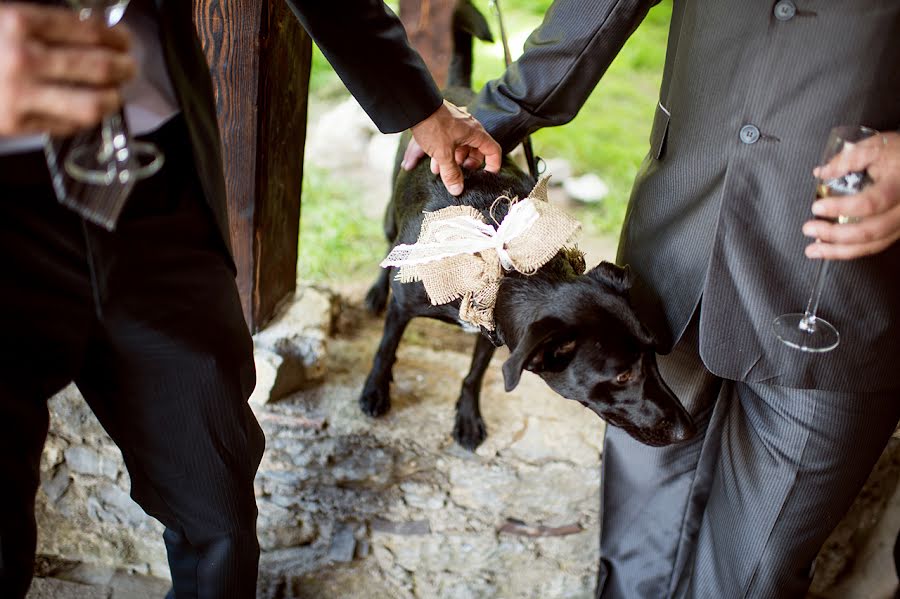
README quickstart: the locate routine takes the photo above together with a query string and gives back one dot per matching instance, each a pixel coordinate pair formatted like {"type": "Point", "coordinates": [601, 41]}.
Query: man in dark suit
{"type": "Point", "coordinates": [146, 320]}
{"type": "Point", "coordinates": [713, 230]}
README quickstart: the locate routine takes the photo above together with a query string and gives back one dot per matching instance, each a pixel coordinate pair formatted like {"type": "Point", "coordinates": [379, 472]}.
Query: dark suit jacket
{"type": "Point", "coordinates": [365, 43]}
{"type": "Point", "coordinates": [714, 219]}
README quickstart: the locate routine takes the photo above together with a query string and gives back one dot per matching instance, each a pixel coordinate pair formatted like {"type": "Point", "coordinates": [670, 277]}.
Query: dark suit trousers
{"type": "Point", "coordinates": [147, 322]}
{"type": "Point", "coordinates": [742, 509]}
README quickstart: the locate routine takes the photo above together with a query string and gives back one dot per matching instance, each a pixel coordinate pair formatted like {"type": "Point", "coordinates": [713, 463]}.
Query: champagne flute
{"type": "Point", "coordinates": [117, 158]}
{"type": "Point", "coordinates": [94, 171]}
{"type": "Point", "coordinates": [807, 331]}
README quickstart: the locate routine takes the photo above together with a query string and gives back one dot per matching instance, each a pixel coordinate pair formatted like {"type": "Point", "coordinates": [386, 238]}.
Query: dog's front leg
{"type": "Point", "coordinates": [469, 430]}
{"type": "Point", "coordinates": [376, 298]}
{"type": "Point", "coordinates": [376, 399]}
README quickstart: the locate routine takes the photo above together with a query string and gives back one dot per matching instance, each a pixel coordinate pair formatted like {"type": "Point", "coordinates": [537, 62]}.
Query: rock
{"type": "Point", "coordinates": [544, 440]}
{"type": "Point", "coordinates": [284, 537]}
{"type": "Point", "coordinates": [282, 528]}
{"type": "Point", "coordinates": [49, 588]}
{"type": "Point", "coordinates": [340, 136]}
{"type": "Point", "coordinates": [84, 460]}
{"type": "Point", "coordinates": [415, 527]}
{"type": "Point", "coordinates": [267, 365]}
{"type": "Point", "coordinates": [56, 485]}
{"type": "Point", "coordinates": [560, 169]}
{"type": "Point", "coordinates": [587, 188]}
{"type": "Point", "coordinates": [381, 154]}
{"type": "Point", "coordinates": [477, 486]}
{"type": "Point", "coordinates": [290, 350]}
{"type": "Point", "coordinates": [94, 574]}
{"type": "Point", "coordinates": [343, 544]}
{"type": "Point", "coordinates": [115, 505]}
{"type": "Point", "coordinates": [133, 586]}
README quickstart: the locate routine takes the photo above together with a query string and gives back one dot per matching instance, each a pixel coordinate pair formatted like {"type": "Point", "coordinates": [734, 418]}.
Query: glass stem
{"type": "Point", "coordinates": [808, 323]}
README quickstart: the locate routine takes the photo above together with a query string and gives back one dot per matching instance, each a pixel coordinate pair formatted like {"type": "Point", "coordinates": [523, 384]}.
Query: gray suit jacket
{"type": "Point", "coordinates": [715, 215]}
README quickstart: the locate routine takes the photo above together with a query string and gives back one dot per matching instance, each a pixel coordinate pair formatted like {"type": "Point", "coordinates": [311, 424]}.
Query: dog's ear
{"type": "Point", "coordinates": [619, 278]}
{"type": "Point", "coordinates": [467, 18]}
{"type": "Point", "coordinates": [548, 345]}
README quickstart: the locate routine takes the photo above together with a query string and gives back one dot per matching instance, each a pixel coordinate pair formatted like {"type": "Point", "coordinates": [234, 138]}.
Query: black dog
{"type": "Point", "coordinates": [578, 332]}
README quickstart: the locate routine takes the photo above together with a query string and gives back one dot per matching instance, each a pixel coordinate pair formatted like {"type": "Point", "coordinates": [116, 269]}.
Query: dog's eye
{"type": "Point", "coordinates": [564, 349]}
{"type": "Point", "coordinates": [624, 377]}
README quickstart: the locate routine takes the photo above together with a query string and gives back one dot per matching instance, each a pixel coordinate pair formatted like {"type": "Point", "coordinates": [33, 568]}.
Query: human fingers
{"type": "Point", "coordinates": [80, 65]}
{"type": "Point", "coordinates": [82, 106]}
{"type": "Point", "coordinates": [853, 157]}
{"type": "Point", "coordinates": [451, 175]}
{"type": "Point", "coordinates": [874, 199]}
{"type": "Point", "coordinates": [827, 251]}
{"type": "Point", "coordinates": [489, 149]}
{"type": "Point", "coordinates": [435, 168]}
{"type": "Point", "coordinates": [461, 154]}
{"type": "Point", "coordinates": [60, 26]}
{"type": "Point", "coordinates": [837, 241]}
{"type": "Point", "coordinates": [52, 126]}
{"type": "Point", "coordinates": [412, 155]}
{"type": "Point", "coordinates": [474, 160]}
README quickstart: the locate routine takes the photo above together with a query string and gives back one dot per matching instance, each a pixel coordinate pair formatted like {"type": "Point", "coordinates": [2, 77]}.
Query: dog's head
{"type": "Point", "coordinates": [583, 338]}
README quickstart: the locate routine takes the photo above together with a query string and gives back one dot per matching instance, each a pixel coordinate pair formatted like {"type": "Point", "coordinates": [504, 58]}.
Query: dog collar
{"type": "Point", "coordinates": [459, 255]}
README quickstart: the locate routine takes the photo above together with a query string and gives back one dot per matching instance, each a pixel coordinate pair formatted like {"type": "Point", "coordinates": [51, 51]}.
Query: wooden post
{"type": "Point", "coordinates": [259, 58]}
{"type": "Point", "coordinates": [429, 25]}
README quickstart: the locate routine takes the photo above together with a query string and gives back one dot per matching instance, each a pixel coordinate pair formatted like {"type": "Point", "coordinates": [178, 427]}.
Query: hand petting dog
{"type": "Point", "coordinates": [874, 212]}
{"type": "Point", "coordinates": [452, 137]}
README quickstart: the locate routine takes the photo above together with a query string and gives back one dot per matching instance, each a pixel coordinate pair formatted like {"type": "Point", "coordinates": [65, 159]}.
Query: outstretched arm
{"type": "Point", "coordinates": [563, 61]}
{"type": "Point", "coordinates": [368, 48]}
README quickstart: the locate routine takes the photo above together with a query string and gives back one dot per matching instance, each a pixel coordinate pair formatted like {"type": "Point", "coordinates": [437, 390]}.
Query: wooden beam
{"type": "Point", "coordinates": [259, 58]}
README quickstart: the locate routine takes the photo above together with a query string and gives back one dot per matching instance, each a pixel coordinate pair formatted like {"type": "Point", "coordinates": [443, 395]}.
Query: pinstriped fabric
{"type": "Point", "coordinates": [742, 509]}
{"type": "Point", "coordinates": [717, 218]}
{"type": "Point", "coordinates": [788, 439]}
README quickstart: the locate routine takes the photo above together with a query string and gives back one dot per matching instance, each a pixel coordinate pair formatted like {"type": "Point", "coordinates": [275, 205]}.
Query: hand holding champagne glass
{"type": "Point", "coordinates": [806, 331]}
{"type": "Point", "coordinates": [93, 174]}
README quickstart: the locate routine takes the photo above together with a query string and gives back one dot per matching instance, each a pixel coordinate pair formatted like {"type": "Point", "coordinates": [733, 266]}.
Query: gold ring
{"type": "Point", "coordinates": [848, 220]}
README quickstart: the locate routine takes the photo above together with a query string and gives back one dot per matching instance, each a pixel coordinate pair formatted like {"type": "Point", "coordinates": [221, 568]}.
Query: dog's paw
{"type": "Point", "coordinates": [375, 401]}
{"type": "Point", "coordinates": [469, 432]}
{"type": "Point", "coordinates": [377, 297]}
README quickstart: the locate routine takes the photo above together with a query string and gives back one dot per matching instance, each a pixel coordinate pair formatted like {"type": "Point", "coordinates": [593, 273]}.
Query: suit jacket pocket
{"type": "Point", "coordinates": [660, 132]}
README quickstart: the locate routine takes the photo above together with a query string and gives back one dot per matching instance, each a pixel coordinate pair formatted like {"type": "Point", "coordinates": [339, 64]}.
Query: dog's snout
{"type": "Point", "coordinates": [682, 428]}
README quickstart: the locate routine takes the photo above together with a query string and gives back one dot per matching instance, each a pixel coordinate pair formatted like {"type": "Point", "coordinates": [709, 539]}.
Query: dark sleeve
{"type": "Point", "coordinates": [563, 61]}
{"type": "Point", "coordinates": [367, 46]}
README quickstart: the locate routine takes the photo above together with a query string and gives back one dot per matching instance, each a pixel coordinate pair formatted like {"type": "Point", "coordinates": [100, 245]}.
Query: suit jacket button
{"type": "Point", "coordinates": [785, 10]}
{"type": "Point", "coordinates": [749, 134]}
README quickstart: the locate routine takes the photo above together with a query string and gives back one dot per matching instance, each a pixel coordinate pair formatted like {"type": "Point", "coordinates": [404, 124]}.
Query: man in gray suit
{"type": "Point", "coordinates": [715, 230]}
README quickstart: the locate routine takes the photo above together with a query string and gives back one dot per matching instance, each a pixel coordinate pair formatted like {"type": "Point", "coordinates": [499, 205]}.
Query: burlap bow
{"type": "Point", "coordinates": [460, 256]}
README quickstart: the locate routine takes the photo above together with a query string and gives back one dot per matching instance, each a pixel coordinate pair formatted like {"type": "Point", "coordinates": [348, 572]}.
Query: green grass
{"type": "Point", "coordinates": [336, 241]}
{"type": "Point", "coordinates": [609, 137]}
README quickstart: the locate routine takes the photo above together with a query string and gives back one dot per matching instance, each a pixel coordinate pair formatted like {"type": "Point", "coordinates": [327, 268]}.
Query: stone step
{"type": "Point", "coordinates": [119, 585]}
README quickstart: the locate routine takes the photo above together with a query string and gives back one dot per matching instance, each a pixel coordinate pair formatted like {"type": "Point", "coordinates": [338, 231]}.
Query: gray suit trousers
{"type": "Point", "coordinates": [742, 509]}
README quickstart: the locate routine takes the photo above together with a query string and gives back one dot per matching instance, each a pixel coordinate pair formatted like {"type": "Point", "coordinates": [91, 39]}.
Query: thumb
{"type": "Point", "coordinates": [452, 176]}
{"type": "Point", "coordinates": [854, 157]}
{"type": "Point", "coordinates": [413, 154]}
